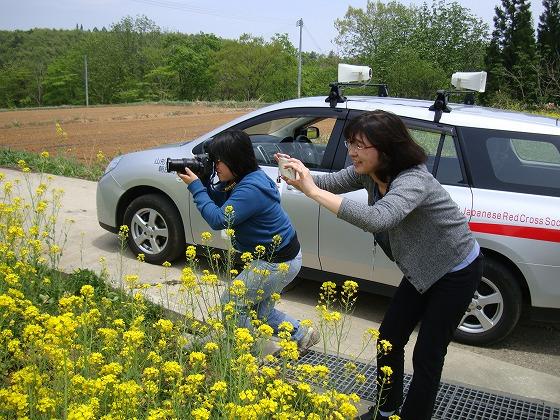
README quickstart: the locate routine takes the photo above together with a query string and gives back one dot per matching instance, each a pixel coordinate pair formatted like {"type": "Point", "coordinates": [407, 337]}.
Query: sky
{"type": "Point", "coordinates": [224, 18]}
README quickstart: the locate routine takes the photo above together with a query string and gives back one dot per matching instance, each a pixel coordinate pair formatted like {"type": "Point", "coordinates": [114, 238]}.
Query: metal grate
{"type": "Point", "coordinates": [452, 401]}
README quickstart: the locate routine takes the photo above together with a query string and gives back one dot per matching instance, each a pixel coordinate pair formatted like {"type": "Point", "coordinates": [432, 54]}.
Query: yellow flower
{"type": "Point", "coordinates": [210, 347]}
{"type": "Point", "coordinates": [283, 267]}
{"type": "Point", "coordinates": [248, 395]}
{"type": "Point", "coordinates": [200, 413]}
{"type": "Point", "coordinates": [46, 404]}
{"type": "Point", "coordinates": [45, 154]}
{"type": "Point", "coordinates": [387, 371]}
{"type": "Point", "coordinates": [237, 288]}
{"type": "Point", "coordinates": [113, 368]}
{"type": "Point", "coordinates": [87, 291]}
{"type": "Point", "coordinates": [219, 386]}
{"type": "Point", "coordinates": [164, 326]}
{"type": "Point", "coordinates": [246, 257]}
{"type": "Point", "coordinates": [285, 326]}
{"type": "Point", "coordinates": [230, 233]}
{"type": "Point", "coordinates": [197, 358]}
{"type": "Point", "coordinates": [349, 287]}
{"type": "Point", "coordinates": [265, 331]}
{"type": "Point", "coordinates": [191, 252]}
{"type": "Point", "coordinates": [275, 297]}
{"type": "Point", "coordinates": [96, 358]}
{"type": "Point", "coordinates": [141, 257]}
{"type": "Point", "coordinates": [259, 251]}
{"type": "Point", "coordinates": [243, 339]}
{"type": "Point", "coordinates": [100, 156]}
{"type": "Point", "coordinates": [372, 333]}
{"type": "Point", "coordinates": [166, 264]}
{"type": "Point", "coordinates": [384, 346]}
{"type": "Point", "coordinates": [228, 209]}
{"type": "Point", "coordinates": [306, 323]}
{"type": "Point", "coordinates": [206, 236]}
{"type": "Point", "coordinates": [172, 370]}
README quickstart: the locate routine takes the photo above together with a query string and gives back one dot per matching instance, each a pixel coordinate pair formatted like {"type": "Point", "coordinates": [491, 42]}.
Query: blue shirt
{"type": "Point", "coordinates": [257, 217]}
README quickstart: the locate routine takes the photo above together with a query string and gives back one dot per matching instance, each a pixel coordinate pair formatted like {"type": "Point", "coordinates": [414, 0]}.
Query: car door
{"type": "Point", "coordinates": [309, 134]}
{"type": "Point", "coordinates": [361, 259]}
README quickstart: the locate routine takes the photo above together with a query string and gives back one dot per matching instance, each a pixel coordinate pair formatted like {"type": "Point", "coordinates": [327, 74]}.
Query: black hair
{"type": "Point", "coordinates": [388, 134]}
{"type": "Point", "coordinates": [234, 148]}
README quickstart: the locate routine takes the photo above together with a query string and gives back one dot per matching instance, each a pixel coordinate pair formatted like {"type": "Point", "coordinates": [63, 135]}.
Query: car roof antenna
{"type": "Point", "coordinates": [440, 105]}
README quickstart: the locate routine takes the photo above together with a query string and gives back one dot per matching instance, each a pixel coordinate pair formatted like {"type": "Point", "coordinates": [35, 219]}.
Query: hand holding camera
{"type": "Point", "coordinates": [289, 173]}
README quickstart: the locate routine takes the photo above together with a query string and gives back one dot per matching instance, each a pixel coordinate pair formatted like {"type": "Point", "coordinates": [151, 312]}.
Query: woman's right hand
{"type": "Point", "coordinates": [303, 181]}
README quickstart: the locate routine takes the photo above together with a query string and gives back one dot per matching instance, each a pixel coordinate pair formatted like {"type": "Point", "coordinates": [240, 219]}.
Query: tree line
{"type": "Point", "coordinates": [414, 49]}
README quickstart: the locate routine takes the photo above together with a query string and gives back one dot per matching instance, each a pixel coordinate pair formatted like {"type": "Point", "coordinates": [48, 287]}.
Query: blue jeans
{"type": "Point", "coordinates": [264, 305]}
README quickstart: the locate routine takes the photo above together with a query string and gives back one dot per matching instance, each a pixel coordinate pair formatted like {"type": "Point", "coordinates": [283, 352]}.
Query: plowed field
{"type": "Point", "coordinates": [110, 129]}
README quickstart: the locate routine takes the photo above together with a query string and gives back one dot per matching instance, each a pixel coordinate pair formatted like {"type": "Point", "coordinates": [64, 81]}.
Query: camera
{"type": "Point", "coordinates": [200, 164]}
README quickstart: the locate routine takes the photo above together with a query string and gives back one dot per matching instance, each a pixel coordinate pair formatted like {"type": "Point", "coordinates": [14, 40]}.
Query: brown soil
{"type": "Point", "coordinates": [110, 129]}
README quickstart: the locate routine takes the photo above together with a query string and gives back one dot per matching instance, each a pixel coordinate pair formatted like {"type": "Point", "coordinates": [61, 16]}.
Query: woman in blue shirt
{"type": "Point", "coordinates": [257, 218]}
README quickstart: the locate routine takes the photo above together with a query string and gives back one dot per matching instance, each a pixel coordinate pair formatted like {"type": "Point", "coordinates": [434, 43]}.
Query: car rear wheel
{"type": "Point", "coordinates": [494, 309]}
{"type": "Point", "coordinates": [155, 228]}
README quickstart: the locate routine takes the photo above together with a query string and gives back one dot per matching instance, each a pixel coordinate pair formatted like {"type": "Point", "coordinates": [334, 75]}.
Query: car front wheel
{"type": "Point", "coordinates": [494, 309]}
{"type": "Point", "coordinates": [155, 228]}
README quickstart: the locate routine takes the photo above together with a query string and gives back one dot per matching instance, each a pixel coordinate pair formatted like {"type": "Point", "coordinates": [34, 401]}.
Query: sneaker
{"type": "Point", "coordinates": [310, 338]}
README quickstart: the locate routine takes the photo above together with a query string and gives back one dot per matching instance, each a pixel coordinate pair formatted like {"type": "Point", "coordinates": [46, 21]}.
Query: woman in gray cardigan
{"type": "Point", "coordinates": [420, 227]}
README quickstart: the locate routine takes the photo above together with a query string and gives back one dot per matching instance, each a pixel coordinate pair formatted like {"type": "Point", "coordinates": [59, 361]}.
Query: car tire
{"type": "Point", "coordinates": [155, 228]}
{"type": "Point", "coordinates": [494, 309]}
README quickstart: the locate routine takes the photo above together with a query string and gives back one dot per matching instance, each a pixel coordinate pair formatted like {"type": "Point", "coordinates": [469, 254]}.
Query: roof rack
{"type": "Point", "coordinates": [336, 97]}
{"type": "Point", "coordinates": [350, 75]}
{"type": "Point", "coordinates": [470, 82]}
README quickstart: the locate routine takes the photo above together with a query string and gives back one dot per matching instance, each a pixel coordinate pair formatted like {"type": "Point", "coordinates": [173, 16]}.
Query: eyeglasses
{"type": "Point", "coordinates": [356, 146]}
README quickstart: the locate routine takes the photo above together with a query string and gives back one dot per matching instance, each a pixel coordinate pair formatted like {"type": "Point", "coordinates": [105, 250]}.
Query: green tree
{"type": "Point", "coordinates": [318, 71]}
{"type": "Point", "coordinates": [191, 58]}
{"type": "Point", "coordinates": [445, 37]}
{"type": "Point", "coordinates": [250, 69]}
{"type": "Point", "coordinates": [512, 55]}
{"type": "Point", "coordinates": [548, 44]}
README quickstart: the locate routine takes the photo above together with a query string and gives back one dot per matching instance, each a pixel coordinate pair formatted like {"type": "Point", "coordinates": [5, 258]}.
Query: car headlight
{"type": "Point", "coordinates": [113, 164]}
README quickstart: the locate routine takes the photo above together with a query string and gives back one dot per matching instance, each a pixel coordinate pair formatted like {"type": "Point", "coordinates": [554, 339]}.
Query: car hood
{"type": "Point", "coordinates": [169, 145]}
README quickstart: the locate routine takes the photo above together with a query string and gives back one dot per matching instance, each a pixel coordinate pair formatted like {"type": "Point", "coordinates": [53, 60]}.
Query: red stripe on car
{"type": "Point", "coordinates": [541, 234]}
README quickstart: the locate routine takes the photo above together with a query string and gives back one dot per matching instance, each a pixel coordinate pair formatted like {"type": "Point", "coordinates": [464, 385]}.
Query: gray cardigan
{"type": "Point", "coordinates": [427, 233]}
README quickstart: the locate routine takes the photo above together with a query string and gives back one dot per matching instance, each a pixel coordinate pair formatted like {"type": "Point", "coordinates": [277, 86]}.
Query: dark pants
{"type": "Point", "coordinates": [439, 310]}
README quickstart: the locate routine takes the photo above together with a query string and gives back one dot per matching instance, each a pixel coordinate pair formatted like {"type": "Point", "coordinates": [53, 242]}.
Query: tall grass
{"type": "Point", "coordinates": [56, 165]}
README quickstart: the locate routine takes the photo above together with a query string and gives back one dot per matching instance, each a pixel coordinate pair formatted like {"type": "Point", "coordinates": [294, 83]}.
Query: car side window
{"type": "Point", "coordinates": [448, 169]}
{"type": "Point", "coordinates": [513, 161]}
{"type": "Point", "coordinates": [526, 162]}
{"type": "Point", "coordinates": [303, 137]}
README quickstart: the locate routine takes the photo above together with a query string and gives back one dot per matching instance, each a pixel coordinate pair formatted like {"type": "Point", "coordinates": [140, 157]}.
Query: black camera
{"type": "Point", "coordinates": [200, 164]}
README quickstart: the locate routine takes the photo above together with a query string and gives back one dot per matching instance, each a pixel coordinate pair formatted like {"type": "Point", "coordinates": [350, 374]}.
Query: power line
{"type": "Point", "coordinates": [167, 4]}
{"type": "Point", "coordinates": [313, 40]}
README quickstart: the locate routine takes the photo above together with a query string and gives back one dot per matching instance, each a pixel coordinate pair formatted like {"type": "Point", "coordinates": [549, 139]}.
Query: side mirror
{"type": "Point", "coordinates": [312, 133]}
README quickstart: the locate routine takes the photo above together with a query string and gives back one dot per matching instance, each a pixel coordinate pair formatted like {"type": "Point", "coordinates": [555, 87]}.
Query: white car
{"type": "Point", "coordinates": [502, 169]}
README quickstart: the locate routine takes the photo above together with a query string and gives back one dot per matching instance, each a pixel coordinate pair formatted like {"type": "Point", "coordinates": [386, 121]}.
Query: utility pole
{"type": "Point", "coordinates": [300, 24]}
{"type": "Point", "coordinates": [86, 78]}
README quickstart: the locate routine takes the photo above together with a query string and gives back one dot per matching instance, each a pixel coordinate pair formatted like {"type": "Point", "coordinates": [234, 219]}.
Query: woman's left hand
{"type": "Point", "coordinates": [188, 177]}
{"type": "Point", "coordinates": [304, 181]}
